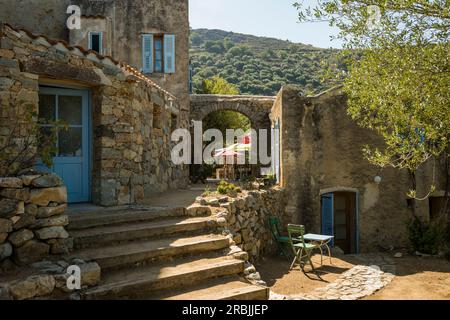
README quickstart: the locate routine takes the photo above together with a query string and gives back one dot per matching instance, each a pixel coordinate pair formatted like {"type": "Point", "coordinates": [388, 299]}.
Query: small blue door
{"type": "Point", "coordinates": [72, 162]}
{"type": "Point", "coordinates": [328, 215]}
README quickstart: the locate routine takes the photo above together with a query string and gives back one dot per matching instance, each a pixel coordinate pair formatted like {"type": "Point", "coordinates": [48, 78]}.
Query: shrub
{"type": "Point", "coordinates": [426, 237]}
{"type": "Point", "coordinates": [225, 187]}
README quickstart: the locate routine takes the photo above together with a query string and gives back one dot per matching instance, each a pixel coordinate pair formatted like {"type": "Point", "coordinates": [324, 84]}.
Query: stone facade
{"type": "Point", "coordinates": [132, 117]}
{"type": "Point", "coordinates": [123, 23]}
{"type": "Point", "coordinates": [32, 219]}
{"type": "Point", "coordinates": [321, 152]}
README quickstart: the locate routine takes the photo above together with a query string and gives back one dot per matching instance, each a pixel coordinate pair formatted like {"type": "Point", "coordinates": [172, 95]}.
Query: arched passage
{"type": "Point", "coordinates": [256, 108]}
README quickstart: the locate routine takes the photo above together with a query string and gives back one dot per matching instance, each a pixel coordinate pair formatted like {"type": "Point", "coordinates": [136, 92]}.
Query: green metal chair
{"type": "Point", "coordinates": [283, 243]}
{"type": "Point", "coordinates": [300, 248]}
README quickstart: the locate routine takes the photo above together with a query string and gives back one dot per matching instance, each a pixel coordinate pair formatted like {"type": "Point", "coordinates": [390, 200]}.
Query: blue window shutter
{"type": "Point", "coordinates": [328, 215]}
{"type": "Point", "coordinates": [169, 53]}
{"type": "Point", "coordinates": [147, 53]}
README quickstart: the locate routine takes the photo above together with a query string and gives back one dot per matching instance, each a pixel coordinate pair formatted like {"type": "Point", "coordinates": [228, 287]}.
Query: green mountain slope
{"type": "Point", "coordinates": [257, 65]}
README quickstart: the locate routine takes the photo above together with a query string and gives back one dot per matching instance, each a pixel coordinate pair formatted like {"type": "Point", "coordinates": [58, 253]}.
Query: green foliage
{"type": "Point", "coordinates": [226, 119]}
{"type": "Point", "coordinates": [225, 187]}
{"type": "Point", "coordinates": [207, 192]}
{"type": "Point", "coordinates": [258, 65]}
{"type": "Point", "coordinates": [426, 237]}
{"type": "Point", "coordinates": [399, 87]}
{"type": "Point", "coordinates": [28, 141]}
{"type": "Point", "coordinates": [218, 85]}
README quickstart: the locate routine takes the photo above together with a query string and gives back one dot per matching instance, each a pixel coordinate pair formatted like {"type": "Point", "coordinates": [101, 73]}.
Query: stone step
{"type": "Point", "coordinates": [95, 237]}
{"type": "Point", "coordinates": [112, 216]}
{"type": "Point", "coordinates": [138, 283]}
{"type": "Point", "coordinates": [223, 288]}
{"type": "Point", "coordinates": [141, 252]}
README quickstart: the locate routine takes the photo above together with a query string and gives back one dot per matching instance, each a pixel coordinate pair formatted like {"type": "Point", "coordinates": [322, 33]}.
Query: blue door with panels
{"type": "Point", "coordinates": [72, 161]}
{"type": "Point", "coordinates": [328, 215]}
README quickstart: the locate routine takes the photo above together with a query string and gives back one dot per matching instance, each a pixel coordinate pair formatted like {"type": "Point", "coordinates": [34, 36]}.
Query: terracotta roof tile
{"type": "Point", "coordinates": [91, 55]}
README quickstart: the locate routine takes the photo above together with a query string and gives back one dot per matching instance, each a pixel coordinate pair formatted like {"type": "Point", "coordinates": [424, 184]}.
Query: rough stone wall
{"type": "Point", "coordinates": [322, 152]}
{"type": "Point", "coordinates": [32, 220]}
{"type": "Point", "coordinates": [47, 16]}
{"type": "Point", "coordinates": [131, 158]}
{"type": "Point", "coordinates": [129, 19]}
{"type": "Point", "coordinates": [245, 218]}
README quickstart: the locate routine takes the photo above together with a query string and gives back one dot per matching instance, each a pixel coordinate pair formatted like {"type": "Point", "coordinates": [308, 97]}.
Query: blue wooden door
{"type": "Point", "coordinates": [72, 162]}
{"type": "Point", "coordinates": [328, 215]}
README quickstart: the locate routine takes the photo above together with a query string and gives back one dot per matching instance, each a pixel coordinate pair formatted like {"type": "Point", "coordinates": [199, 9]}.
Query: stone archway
{"type": "Point", "coordinates": [256, 108]}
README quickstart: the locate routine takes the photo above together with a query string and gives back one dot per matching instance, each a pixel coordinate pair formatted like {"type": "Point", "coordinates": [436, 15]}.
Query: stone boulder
{"type": "Point", "coordinates": [19, 194]}
{"type": "Point", "coordinates": [34, 286]}
{"type": "Point", "coordinates": [24, 221]}
{"type": "Point", "coordinates": [5, 225]}
{"type": "Point", "coordinates": [6, 250]}
{"type": "Point", "coordinates": [10, 182]}
{"type": "Point", "coordinates": [8, 208]}
{"type": "Point", "coordinates": [47, 181]}
{"type": "Point", "coordinates": [19, 238]}
{"type": "Point", "coordinates": [45, 212]}
{"type": "Point", "coordinates": [30, 252]}
{"type": "Point", "coordinates": [90, 274]}
{"type": "Point", "coordinates": [43, 197]}
{"type": "Point", "coordinates": [60, 246]}
{"type": "Point", "coordinates": [59, 221]}
{"type": "Point", "coordinates": [51, 233]}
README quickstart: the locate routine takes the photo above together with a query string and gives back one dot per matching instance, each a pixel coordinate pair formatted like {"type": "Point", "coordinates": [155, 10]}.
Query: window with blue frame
{"type": "Point", "coordinates": [158, 53]}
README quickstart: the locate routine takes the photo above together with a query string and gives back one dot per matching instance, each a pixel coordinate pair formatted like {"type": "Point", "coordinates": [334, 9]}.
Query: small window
{"type": "Point", "coordinates": [158, 53]}
{"type": "Point", "coordinates": [157, 117]}
{"type": "Point", "coordinates": [96, 42]}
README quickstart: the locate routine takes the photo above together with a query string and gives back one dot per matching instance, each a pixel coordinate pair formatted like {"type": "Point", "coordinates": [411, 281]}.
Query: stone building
{"type": "Point", "coordinates": [117, 147]}
{"type": "Point", "coordinates": [151, 36]}
{"type": "Point", "coordinates": [331, 187]}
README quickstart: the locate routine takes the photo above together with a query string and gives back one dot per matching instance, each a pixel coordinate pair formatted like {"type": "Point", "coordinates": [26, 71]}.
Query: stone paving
{"type": "Point", "coordinates": [374, 273]}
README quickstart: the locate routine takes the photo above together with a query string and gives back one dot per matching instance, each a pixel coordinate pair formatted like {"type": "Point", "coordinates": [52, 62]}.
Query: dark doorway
{"type": "Point", "coordinates": [339, 219]}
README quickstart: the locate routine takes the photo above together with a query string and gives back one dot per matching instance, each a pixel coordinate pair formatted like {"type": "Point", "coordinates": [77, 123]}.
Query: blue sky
{"type": "Point", "coordinates": [271, 18]}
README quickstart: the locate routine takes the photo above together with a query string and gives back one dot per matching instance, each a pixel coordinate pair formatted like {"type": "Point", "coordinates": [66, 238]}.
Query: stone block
{"type": "Point", "coordinates": [45, 212]}
{"type": "Point", "coordinates": [44, 196]}
{"type": "Point", "coordinates": [24, 221]}
{"type": "Point", "coordinates": [8, 207]}
{"type": "Point", "coordinates": [60, 246]}
{"type": "Point", "coordinates": [5, 225]}
{"type": "Point", "coordinates": [51, 233]}
{"type": "Point", "coordinates": [47, 181]}
{"type": "Point", "coordinates": [51, 222]}
{"type": "Point", "coordinates": [10, 183]}
{"type": "Point", "coordinates": [90, 274]}
{"type": "Point", "coordinates": [6, 250]}
{"type": "Point", "coordinates": [18, 238]}
{"type": "Point", "coordinates": [30, 252]}
{"type": "Point", "coordinates": [34, 286]}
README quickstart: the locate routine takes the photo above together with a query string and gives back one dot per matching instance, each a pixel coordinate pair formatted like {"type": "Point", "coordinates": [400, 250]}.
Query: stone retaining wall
{"type": "Point", "coordinates": [32, 219]}
{"type": "Point", "coordinates": [245, 218]}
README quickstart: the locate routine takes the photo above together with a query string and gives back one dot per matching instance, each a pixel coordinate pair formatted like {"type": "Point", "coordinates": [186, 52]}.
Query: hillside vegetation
{"type": "Point", "coordinates": [258, 65]}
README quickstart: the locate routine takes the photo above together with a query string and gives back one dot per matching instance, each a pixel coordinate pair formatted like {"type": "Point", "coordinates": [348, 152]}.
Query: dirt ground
{"type": "Point", "coordinates": [418, 278]}
{"type": "Point", "coordinates": [423, 278]}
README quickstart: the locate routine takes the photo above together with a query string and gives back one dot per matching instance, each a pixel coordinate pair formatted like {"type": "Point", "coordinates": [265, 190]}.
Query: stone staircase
{"type": "Point", "coordinates": [160, 253]}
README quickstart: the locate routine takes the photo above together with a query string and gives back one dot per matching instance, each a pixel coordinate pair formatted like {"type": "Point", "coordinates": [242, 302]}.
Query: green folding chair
{"type": "Point", "coordinates": [300, 248]}
{"type": "Point", "coordinates": [283, 243]}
